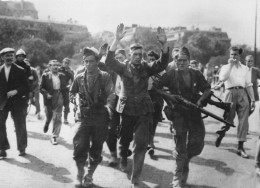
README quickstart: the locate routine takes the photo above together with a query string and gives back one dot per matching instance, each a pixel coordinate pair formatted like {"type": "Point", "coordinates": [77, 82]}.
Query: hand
{"type": "Point", "coordinates": [232, 61]}
{"type": "Point", "coordinates": [103, 50]}
{"type": "Point", "coordinates": [11, 93]}
{"type": "Point", "coordinates": [253, 105]}
{"type": "Point", "coordinates": [161, 36]}
{"type": "Point", "coordinates": [120, 33]}
{"type": "Point", "coordinates": [49, 96]}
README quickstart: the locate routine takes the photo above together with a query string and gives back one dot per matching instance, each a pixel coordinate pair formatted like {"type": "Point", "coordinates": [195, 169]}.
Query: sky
{"type": "Point", "coordinates": [236, 17]}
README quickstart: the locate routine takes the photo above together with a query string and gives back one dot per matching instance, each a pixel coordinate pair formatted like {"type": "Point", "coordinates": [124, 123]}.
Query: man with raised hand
{"type": "Point", "coordinates": [134, 103]}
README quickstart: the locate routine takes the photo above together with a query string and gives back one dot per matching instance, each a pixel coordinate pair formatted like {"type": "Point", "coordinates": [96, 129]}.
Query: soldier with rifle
{"type": "Point", "coordinates": [188, 126]}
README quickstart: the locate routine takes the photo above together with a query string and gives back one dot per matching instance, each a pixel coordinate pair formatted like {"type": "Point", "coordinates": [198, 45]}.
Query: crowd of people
{"type": "Point", "coordinates": [118, 103]}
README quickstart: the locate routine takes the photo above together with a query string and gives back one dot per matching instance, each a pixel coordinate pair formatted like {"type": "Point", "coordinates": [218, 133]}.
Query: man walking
{"type": "Point", "coordinates": [134, 102]}
{"type": "Point", "coordinates": [94, 88]}
{"type": "Point", "coordinates": [13, 98]}
{"type": "Point", "coordinates": [52, 88]}
{"type": "Point", "coordinates": [237, 80]}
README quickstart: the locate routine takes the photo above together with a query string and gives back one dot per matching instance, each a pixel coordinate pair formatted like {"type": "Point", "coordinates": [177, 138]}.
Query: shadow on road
{"type": "Point", "coordinates": [198, 186]}
{"type": "Point", "coordinates": [218, 165]}
{"type": "Point", "coordinates": [235, 152]}
{"type": "Point", "coordinates": [212, 143]}
{"type": "Point", "coordinates": [37, 165]}
{"type": "Point", "coordinates": [40, 136]}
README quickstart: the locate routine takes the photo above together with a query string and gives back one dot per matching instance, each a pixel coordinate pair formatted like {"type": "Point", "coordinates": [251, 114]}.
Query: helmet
{"type": "Point", "coordinates": [20, 52]}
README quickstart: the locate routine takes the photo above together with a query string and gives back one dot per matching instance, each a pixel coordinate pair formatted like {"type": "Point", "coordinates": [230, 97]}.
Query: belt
{"type": "Point", "coordinates": [237, 87]}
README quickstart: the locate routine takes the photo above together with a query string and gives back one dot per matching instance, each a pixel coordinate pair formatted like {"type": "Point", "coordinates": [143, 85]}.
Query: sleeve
{"type": "Point", "coordinates": [74, 89]}
{"type": "Point", "coordinates": [109, 90]}
{"type": "Point", "coordinates": [163, 81]}
{"type": "Point", "coordinates": [22, 87]}
{"type": "Point", "coordinates": [159, 65]}
{"type": "Point", "coordinates": [43, 85]}
{"type": "Point", "coordinates": [257, 73]}
{"type": "Point", "coordinates": [113, 64]}
{"type": "Point", "coordinates": [203, 85]}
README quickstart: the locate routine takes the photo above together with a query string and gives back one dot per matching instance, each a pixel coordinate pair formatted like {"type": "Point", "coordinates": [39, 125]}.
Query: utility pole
{"type": "Point", "coordinates": [255, 48]}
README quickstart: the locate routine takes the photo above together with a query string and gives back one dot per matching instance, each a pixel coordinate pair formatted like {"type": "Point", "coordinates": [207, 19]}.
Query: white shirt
{"type": "Point", "coordinates": [56, 81]}
{"type": "Point", "coordinates": [239, 76]}
{"type": "Point", "coordinates": [7, 72]}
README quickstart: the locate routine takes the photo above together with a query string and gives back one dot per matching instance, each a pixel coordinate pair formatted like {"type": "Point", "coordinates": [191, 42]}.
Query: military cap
{"type": "Point", "coordinates": [120, 51]}
{"type": "Point", "coordinates": [236, 48]}
{"type": "Point", "coordinates": [20, 52]}
{"type": "Point", "coordinates": [7, 50]}
{"type": "Point", "coordinates": [183, 51]}
{"type": "Point", "coordinates": [136, 46]}
{"type": "Point", "coordinates": [87, 51]}
{"type": "Point", "coordinates": [154, 54]}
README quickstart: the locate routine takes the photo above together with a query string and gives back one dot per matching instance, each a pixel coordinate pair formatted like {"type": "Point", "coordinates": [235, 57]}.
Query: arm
{"type": "Point", "coordinates": [43, 86]}
{"type": "Point", "coordinates": [204, 87]}
{"type": "Point", "coordinates": [109, 90]}
{"type": "Point", "coordinates": [226, 70]}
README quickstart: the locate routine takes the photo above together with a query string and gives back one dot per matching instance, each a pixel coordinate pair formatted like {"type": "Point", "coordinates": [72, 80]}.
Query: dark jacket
{"type": "Point", "coordinates": [46, 86]}
{"type": "Point", "coordinates": [134, 98]}
{"type": "Point", "coordinates": [96, 99]}
{"type": "Point", "coordinates": [255, 75]}
{"type": "Point", "coordinates": [17, 81]}
{"type": "Point", "coordinates": [69, 74]}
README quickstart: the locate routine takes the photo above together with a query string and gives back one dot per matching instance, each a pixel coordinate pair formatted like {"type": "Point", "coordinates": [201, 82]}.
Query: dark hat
{"type": "Point", "coordinates": [183, 51]}
{"type": "Point", "coordinates": [154, 54]}
{"type": "Point", "coordinates": [7, 50]}
{"type": "Point", "coordinates": [120, 51]}
{"type": "Point", "coordinates": [90, 51]}
{"type": "Point", "coordinates": [136, 46]}
{"type": "Point", "coordinates": [236, 48]}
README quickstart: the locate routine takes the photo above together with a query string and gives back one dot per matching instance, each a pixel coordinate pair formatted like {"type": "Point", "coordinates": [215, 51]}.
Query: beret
{"type": "Point", "coordinates": [90, 51]}
{"type": "Point", "coordinates": [154, 54]}
{"type": "Point", "coordinates": [120, 51]}
{"type": "Point", "coordinates": [7, 50]}
{"type": "Point", "coordinates": [183, 51]}
{"type": "Point", "coordinates": [136, 46]}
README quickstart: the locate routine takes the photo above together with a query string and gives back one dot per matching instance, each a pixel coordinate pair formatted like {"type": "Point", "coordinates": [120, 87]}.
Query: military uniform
{"type": "Point", "coordinates": [88, 141]}
{"type": "Point", "coordinates": [189, 130]}
{"type": "Point", "coordinates": [135, 106]}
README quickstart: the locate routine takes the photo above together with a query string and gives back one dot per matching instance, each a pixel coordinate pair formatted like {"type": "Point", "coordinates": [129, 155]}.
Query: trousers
{"type": "Point", "coordinates": [135, 128]}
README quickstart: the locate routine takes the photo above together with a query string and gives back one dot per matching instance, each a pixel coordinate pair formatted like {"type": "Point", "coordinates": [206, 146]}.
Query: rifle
{"type": "Point", "coordinates": [184, 102]}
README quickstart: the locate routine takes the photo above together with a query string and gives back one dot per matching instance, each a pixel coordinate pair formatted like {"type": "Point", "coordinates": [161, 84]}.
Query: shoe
{"type": "Point", "coordinates": [135, 185]}
{"type": "Point", "coordinates": [65, 121]}
{"type": "Point", "coordinates": [22, 153]}
{"type": "Point", "coordinates": [123, 164]}
{"type": "Point", "coordinates": [3, 154]}
{"type": "Point", "coordinates": [39, 116]}
{"type": "Point", "coordinates": [242, 153]}
{"type": "Point", "coordinates": [113, 160]}
{"type": "Point", "coordinates": [87, 182]}
{"type": "Point", "coordinates": [151, 152]}
{"type": "Point", "coordinates": [45, 128]}
{"type": "Point", "coordinates": [54, 141]}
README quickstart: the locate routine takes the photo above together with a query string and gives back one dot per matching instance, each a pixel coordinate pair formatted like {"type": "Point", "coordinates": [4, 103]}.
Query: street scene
{"type": "Point", "coordinates": [51, 166]}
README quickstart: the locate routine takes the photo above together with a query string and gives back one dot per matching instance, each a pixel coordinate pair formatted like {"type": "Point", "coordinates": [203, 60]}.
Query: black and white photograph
{"type": "Point", "coordinates": [129, 94]}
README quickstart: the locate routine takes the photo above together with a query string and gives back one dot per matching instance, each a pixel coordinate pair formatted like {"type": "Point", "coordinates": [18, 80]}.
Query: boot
{"type": "Point", "coordinates": [80, 175]}
{"type": "Point", "coordinates": [113, 159]}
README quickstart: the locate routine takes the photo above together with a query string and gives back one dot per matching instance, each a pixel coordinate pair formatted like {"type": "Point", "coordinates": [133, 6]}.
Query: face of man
{"type": "Point", "coordinates": [8, 58]}
{"type": "Point", "coordinates": [54, 67]}
{"type": "Point", "coordinates": [20, 58]}
{"type": "Point", "coordinates": [90, 63]}
{"type": "Point", "coordinates": [136, 56]}
{"type": "Point", "coordinates": [249, 61]}
{"type": "Point", "coordinates": [234, 55]}
{"type": "Point", "coordinates": [151, 59]}
{"type": "Point", "coordinates": [194, 66]}
{"type": "Point", "coordinates": [66, 63]}
{"type": "Point", "coordinates": [182, 62]}
{"type": "Point", "coordinates": [120, 57]}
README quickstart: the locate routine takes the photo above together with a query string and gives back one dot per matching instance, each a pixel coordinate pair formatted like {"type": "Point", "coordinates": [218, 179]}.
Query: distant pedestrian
{"type": "Point", "coordinates": [53, 87]}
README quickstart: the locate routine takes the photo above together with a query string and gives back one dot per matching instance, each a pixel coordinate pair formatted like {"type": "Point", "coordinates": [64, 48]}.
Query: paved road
{"type": "Point", "coordinates": [48, 166]}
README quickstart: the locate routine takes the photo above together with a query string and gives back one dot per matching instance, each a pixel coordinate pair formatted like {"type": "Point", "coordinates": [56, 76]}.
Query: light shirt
{"type": "Point", "coordinates": [7, 72]}
{"type": "Point", "coordinates": [56, 81]}
{"type": "Point", "coordinates": [239, 76]}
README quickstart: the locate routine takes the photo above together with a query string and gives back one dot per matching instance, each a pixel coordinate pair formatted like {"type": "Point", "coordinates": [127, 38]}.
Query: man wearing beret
{"type": "Point", "coordinates": [13, 98]}
{"type": "Point", "coordinates": [134, 104]}
{"type": "Point", "coordinates": [237, 80]}
{"type": "Point", "coordinates": [94, 88]}
{"type": "Point", "coordinates": [188, 127]}
{"type": "Point", "coordinates": [157, 102]}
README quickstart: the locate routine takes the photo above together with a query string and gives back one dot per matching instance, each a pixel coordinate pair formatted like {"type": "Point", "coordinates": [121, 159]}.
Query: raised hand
{"type": "Point", "coordinates": [161, 36]}
{"type": "Point", "coordinates": [103, 50]}
{"type": "Point", "coordinates": [120, 33]}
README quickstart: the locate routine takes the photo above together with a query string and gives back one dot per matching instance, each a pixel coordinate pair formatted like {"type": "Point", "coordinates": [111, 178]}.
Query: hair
{"type": "Point", "coordinates": [249, 56]}
{"type": "Point", "coordinates": [66, 59]}
{"type": "Point", "coordinates": [235, 48]}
